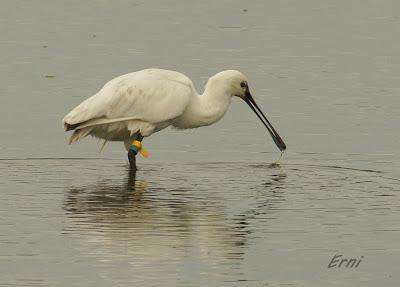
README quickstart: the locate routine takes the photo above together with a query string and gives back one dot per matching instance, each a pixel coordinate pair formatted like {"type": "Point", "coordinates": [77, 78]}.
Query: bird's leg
{"type": "Point", "coordinates": [133, 150]}
{"type": "Point", "coordinates": [132, 160]}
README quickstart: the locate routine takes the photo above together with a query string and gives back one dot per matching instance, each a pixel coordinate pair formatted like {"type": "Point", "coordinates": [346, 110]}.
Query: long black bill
{"type": "Point", "coordinates": [275, 136]}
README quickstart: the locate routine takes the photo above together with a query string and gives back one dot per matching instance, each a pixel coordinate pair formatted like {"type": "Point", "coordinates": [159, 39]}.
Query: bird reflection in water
{"type": "Point", "coordinates": [151, 224]}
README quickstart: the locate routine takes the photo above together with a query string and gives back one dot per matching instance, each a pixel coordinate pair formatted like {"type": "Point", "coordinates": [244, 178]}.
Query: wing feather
{"type": "Point", "coordinates": [151, 95]}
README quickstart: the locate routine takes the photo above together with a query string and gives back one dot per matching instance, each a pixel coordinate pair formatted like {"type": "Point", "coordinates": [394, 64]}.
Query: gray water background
{"type": "Point", "coordinates": [207, 208]}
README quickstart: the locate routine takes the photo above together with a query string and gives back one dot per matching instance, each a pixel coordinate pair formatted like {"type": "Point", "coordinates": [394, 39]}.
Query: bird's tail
{"type": "Point", "coordinates": [79, 134]}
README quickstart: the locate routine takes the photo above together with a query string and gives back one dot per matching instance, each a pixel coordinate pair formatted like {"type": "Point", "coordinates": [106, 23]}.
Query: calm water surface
{"type": "Point", "coordinates": [207, 208]}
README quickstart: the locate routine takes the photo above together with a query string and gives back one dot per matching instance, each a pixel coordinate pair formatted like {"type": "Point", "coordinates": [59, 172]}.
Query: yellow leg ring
{"type": "Point", "coordinates": [140, 148]}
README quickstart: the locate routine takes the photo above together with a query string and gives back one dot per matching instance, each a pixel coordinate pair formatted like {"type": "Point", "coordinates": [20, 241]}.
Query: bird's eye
{"type": "Point", "coordinates": [243, 84]}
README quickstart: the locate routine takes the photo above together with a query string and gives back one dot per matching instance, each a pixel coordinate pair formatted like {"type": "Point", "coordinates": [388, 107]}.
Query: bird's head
{"type": "Point", "coordinates": [237, 85]}
{"type": "Point", "coordinates": [234, 83]}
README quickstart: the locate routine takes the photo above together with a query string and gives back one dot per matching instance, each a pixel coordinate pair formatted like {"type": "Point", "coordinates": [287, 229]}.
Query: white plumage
{"type": "Point", "coordinates": [150, 100]}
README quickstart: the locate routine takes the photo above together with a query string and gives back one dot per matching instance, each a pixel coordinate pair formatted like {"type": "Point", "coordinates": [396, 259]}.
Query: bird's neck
{"type": "Point", "coordinates": [207, 108]}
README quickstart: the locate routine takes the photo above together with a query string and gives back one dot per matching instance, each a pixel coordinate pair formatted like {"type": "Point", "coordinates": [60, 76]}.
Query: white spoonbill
{"type": "Point", "coordinates": [136, 105]}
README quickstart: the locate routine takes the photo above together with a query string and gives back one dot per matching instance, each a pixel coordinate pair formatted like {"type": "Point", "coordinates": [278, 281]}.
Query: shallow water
{"type": "Point", "coordinates": [191, 224]}
{"type": "Point", "coordinates": [208, 208]}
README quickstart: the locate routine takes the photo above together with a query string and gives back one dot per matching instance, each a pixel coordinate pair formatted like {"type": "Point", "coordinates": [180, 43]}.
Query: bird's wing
{"type": "Point", "coordinates": [150, 95]}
